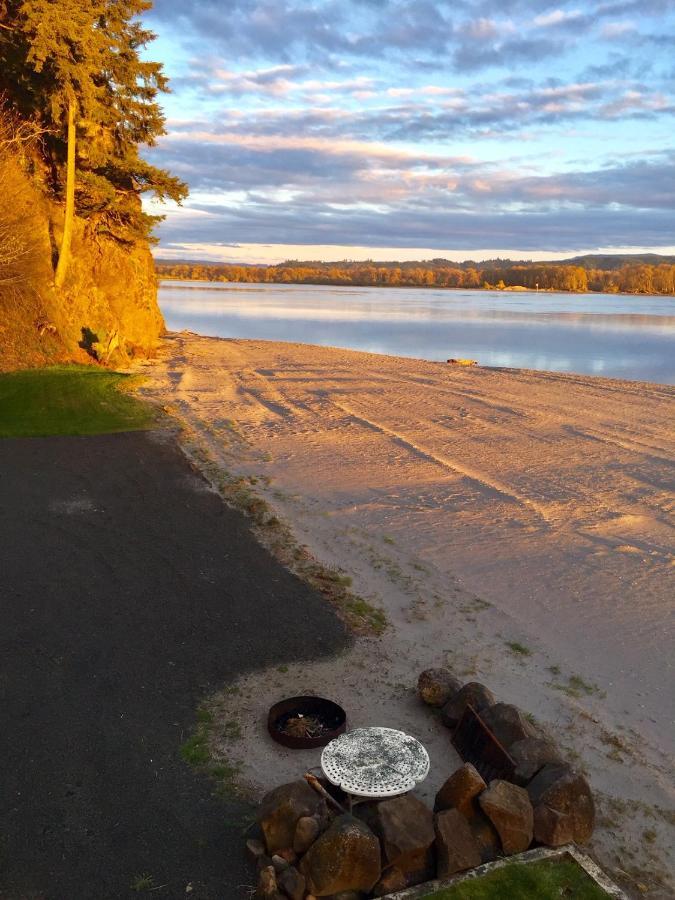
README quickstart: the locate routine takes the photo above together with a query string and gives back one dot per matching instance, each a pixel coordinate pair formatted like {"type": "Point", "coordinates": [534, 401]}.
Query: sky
{"type": "Point", "coordinates": [414, 129]}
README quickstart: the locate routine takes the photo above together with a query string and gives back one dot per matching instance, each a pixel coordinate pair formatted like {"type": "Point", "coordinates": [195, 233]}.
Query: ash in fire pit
{"type": "Point", "coordinates": [306, 722]}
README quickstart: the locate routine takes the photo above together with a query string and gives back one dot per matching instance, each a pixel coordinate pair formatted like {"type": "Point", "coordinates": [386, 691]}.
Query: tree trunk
{"type": "Point", "coordinates": [64, 253]}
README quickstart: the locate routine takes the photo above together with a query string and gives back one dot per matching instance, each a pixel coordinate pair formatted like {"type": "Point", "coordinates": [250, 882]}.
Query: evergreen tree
{"type": "Point", "coordinates": [75, 66]}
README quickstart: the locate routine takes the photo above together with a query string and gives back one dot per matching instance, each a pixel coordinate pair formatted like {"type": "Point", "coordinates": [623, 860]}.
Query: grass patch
{"type": "Point", "coordinates": [577, 687]}
{"type": "Point", "coordinates": [69, 400]}
{"type": "Point", "coordinates": [577, 683]}
{"type": "Point", "coordinates": [196, 751]}
{"type": "Point", "coordinates": [545, 880]}
{"type": "Point", "coordinates": [373, 618]}
{"type": "Point", "coordinates": [518, 649]}
{"type": "Point", "coordinates": [141, 883]}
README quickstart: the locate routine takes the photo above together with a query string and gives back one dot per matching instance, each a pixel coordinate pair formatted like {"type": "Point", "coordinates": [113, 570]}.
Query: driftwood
{"type": "Point", "coordinates": [314, 783]}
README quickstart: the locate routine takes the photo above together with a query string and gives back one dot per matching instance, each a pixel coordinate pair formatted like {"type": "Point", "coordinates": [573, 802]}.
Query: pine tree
{"type": "Point", "coordinates": [75, 66]}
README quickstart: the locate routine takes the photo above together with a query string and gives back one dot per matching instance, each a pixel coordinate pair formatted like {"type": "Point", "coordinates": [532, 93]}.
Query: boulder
{"type": "Point", "coordinates": [267, 884]}
{"type": "Point", "coordinates": [292, 883]}
{"type": "Point", "coordinates": [279, 863]}
{"type": "Point", "coordinates": [530, 755]}
{"type": "Point", "coordinates": [343, 895]}
{"type": "Point", "coordinates": [564, 811]}
{"type": "Point", "coordinates": [405, 827]}
{"type": "Point", "coordinates": [460, 791]}
{"type": "Point", "coordinates": [392, 880]}
{"type": "Point", "coordinates": [472, 693]}
{"type": "Point", "coordinates": [508, 724]}
{"type": "Point", "coordinates": [456, 846]}
{"type": "Point", "coordinates": [509, 809]}
{"type": "Point", "coordinates": [437, 686]}
{"type": "Point", "coordinates": [485, 833]}
{"type": "Point", "coordinates": [306, 832]}
{"type": "Point", "coordinates": [281, 809]}
{"type": "Point", "coordinates": [254, 850]}
{"type": "Point", "coordinates": [346, 857]}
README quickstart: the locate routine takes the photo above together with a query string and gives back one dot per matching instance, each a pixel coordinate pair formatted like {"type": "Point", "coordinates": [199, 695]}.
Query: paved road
{"type": "Point", "coordinates": [127, 592]}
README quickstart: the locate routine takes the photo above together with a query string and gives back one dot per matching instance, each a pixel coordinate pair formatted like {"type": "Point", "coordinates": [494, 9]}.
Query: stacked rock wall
{"type": "Point", "coordinates": [309, 848]}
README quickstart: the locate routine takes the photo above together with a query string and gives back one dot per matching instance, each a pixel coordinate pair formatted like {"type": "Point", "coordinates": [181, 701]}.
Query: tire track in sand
{"type": "Point", "coordinates": [479, 479]}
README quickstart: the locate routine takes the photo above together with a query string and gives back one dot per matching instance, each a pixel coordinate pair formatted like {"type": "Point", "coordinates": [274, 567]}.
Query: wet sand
{"type": "Point", "coordinates": [514, 524]}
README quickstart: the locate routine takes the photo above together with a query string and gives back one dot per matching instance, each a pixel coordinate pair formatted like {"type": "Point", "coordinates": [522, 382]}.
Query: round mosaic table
{"type": "Point", "coordinates": [375, 762]}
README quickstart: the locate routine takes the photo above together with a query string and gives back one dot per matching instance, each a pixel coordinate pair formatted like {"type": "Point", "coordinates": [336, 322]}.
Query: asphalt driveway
{"type": "Point", "coordinates": [128, 592]}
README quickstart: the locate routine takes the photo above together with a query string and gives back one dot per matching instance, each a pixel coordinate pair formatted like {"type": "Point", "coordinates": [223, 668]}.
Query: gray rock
{"type": "Point", "coordinates": [509, 809]}
{"type": "Point", "coordinates": [473, 693]}
{"type": "Point", "coordinates": [437, 686]}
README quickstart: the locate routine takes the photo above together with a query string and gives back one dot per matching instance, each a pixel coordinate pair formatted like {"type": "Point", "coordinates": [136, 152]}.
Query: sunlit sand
{"type": "Point", "coordinates": [515, 525]}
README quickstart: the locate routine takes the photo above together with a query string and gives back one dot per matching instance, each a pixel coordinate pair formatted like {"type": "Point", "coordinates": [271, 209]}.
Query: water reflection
{"type": "Point", "coordinates": [601, 334]}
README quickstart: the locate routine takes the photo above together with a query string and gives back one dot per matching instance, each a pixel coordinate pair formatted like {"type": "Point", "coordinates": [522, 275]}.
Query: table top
{"type": "Point", "coordinates": [375, 762]}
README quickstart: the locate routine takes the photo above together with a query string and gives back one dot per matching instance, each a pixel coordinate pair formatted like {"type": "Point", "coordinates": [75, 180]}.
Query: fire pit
{"type": "Point", "coordinates": [306, 722]}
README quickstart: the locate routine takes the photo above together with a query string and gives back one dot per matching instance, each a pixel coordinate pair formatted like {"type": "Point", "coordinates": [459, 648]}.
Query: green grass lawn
{"type": "Point", "coordinates": [537, 881]}
{"type": "Point", "coordinates": [69, 400]}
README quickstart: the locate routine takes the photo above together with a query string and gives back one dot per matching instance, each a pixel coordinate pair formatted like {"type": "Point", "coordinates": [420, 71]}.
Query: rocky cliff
{"type": "Point", "coordinates": [107, 310]}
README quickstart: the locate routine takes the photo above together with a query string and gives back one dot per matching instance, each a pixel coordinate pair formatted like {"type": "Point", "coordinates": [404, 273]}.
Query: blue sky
{"type": "Point", "coordinates": [332, 129]}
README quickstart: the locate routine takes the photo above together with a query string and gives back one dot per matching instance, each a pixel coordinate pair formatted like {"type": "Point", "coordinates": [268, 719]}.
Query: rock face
{"type": "Point", "coordinates": [563, 806]}
{"type": "Point", "coordinates": [346, 857]}
{"type": "Point", "coordinates": [473, 693]}
{"type": "Point", "coordinates": [437, 686]}
{"type": "Point", "coordinates": [107, 308]}
{"type": "Point", "coordinates": [507, 723]}
{"type": "Point", "coordinates": [530, 755]}
{"type": "Point", "coordinates": [456, 847]}
{"type": "Point", "coordinates": [282, 808]}
{"type": "Point", "coordinates": [509, 809]}
{"type": "Point", "coordinates": [460, 791]}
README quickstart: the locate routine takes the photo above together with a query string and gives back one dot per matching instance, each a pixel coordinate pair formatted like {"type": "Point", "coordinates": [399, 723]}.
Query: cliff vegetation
{"type": "Point", "coordinates": [78, 103]}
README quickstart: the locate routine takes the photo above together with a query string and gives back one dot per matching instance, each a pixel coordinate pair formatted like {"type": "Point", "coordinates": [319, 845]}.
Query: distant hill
{"type": "Point", "coordinates": [612, 261]}
{"type": "Point", "coordinates": [608, 262]}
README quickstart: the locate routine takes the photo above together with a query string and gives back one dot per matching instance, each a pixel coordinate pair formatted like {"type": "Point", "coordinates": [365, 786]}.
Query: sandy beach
{"type": "Point", "coordinates": [515, 525]}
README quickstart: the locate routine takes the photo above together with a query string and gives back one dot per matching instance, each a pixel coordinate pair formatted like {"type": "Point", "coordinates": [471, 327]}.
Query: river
{"type": "Point", "coordinates": [617, 336]}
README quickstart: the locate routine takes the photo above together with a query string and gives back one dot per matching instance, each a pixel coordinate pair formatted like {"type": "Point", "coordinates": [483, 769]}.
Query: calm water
{"type": "Point", "coordinates": [597, 334]}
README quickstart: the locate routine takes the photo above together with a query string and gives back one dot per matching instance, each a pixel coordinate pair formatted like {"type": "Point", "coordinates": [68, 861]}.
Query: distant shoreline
{"type": "Point", "coordinates": [511, 289]}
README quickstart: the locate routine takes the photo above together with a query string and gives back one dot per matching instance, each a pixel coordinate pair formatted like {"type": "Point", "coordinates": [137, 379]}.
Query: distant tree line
{"type": "Point", "coordinates": [639, 278]}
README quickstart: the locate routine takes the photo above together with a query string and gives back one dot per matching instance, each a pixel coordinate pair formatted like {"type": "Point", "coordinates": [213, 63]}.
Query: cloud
{"type": "Point", "coordinates": [333, 121]}
{"type": "Point", "coordinates": [562, 230]}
